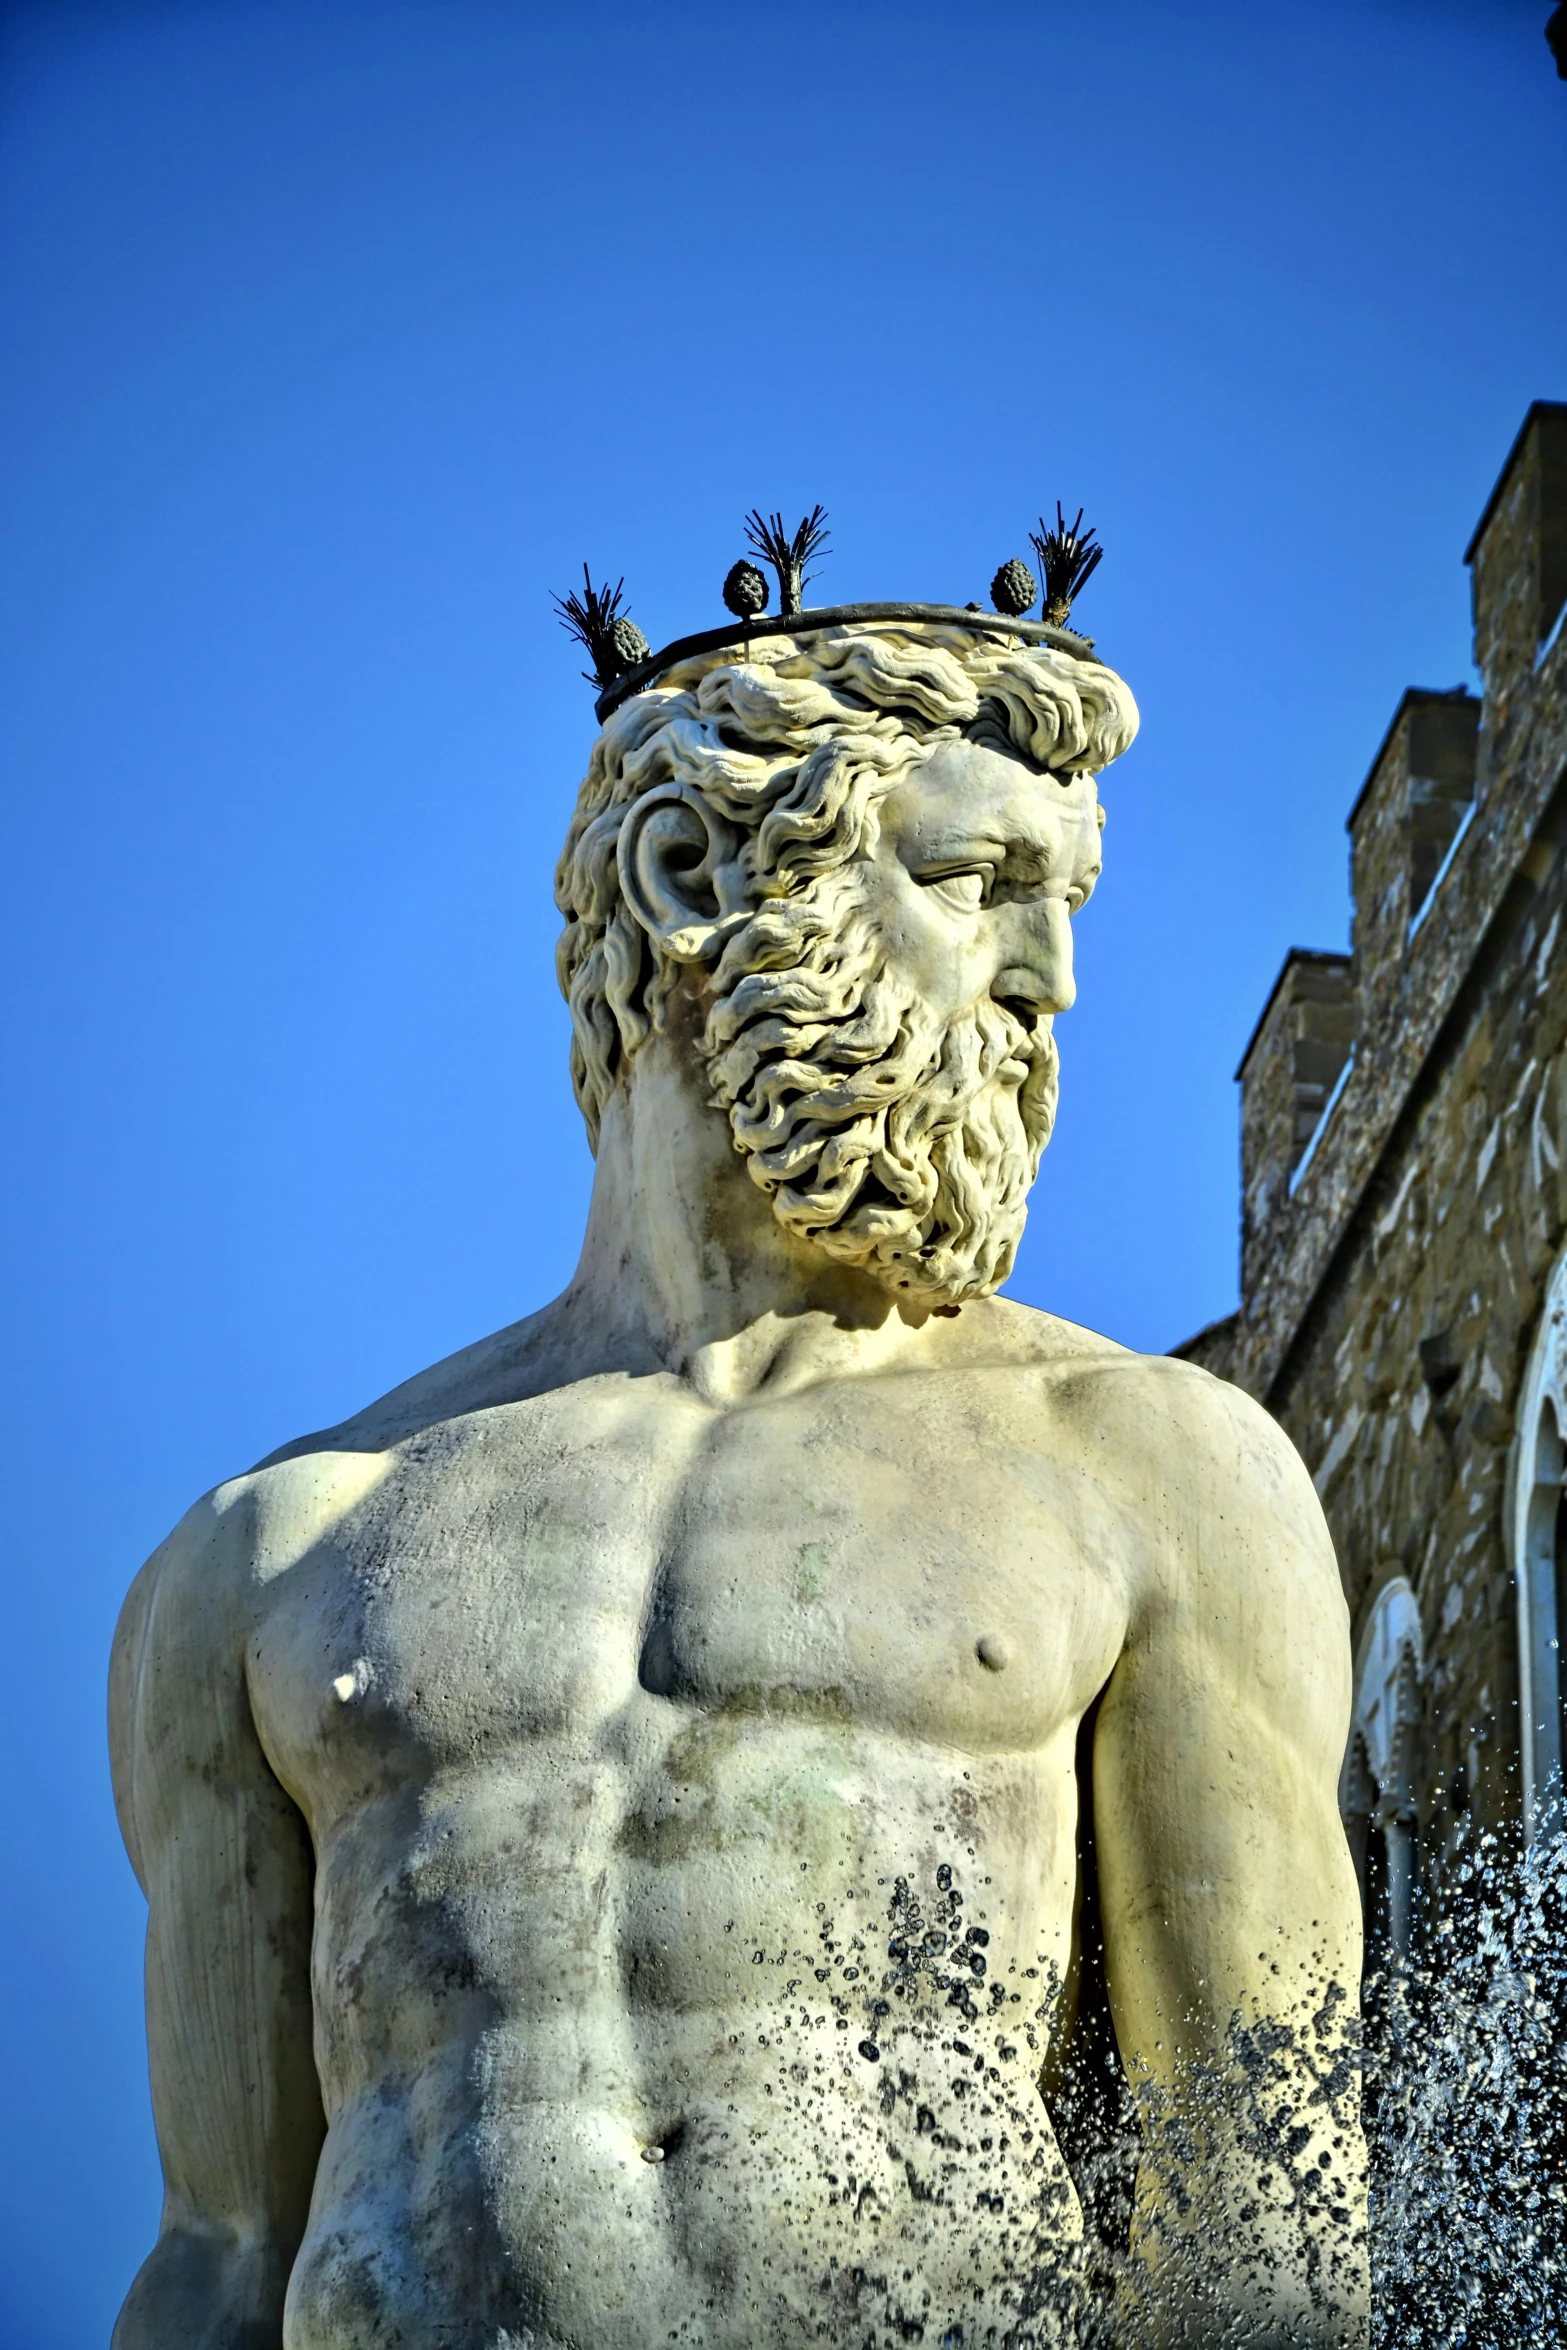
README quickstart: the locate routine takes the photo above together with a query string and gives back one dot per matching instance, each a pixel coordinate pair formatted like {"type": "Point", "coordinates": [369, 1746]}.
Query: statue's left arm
{"type": "Point", "coordinates": [1231, 1915]}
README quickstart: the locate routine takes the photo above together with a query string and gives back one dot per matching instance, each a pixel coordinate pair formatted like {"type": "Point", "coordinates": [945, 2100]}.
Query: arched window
{"type": "Point", "coordinates": [1377, 1791]}
{"type": "Point", "coordinates": [1539, 1537]}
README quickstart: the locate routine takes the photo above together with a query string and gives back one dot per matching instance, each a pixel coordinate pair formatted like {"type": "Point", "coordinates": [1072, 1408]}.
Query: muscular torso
{"type": "Point", "coordinates": [616, 1721]}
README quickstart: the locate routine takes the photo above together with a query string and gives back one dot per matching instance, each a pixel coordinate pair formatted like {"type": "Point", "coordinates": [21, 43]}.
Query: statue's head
{"type": "Point", "coordinates": [855, 854]}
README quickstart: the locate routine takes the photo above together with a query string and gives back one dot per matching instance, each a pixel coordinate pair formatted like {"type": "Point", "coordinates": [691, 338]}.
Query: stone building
{"type": "Point", "coordinates": [1404, 1223]}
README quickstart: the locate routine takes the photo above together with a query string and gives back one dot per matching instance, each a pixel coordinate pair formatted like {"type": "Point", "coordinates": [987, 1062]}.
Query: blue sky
{"type": "Point", "coordinates": [335, 337]}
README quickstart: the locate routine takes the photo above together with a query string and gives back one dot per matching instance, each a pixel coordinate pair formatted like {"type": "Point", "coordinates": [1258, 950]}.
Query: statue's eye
{"type": "Point", "coordinates": [966, 892]}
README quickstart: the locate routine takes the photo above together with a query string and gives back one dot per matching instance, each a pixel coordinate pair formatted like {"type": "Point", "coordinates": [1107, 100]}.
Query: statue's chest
{"type": "Point", "coordinates": [912, 1568]}
{"type": "Point", "coordinates": [541, 1583]}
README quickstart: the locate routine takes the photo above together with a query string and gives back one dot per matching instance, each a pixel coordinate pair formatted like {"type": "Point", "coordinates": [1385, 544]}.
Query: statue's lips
{"type": "Point", "coordinates": [1015, 993]}
{"type": "Point", "coordinates": [1017, 1065]}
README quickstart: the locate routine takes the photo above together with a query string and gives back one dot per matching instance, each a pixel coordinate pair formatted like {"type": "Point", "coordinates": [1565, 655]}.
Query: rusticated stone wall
{"type": "Point", "coordinates": [1395, 1258]}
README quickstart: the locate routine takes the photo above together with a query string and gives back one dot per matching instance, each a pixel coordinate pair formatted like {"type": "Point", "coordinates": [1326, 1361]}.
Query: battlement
{"type": "Point", "coordinates": [1518, 571]}
{"type": "Point", "coordinates": [1298, 1052]}
{"type": "Point", "coordinates": [1412, 806]}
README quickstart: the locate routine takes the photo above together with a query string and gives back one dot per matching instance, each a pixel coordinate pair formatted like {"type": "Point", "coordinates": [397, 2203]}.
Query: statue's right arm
{"type": "Point", "coordinates": [224, 1859]}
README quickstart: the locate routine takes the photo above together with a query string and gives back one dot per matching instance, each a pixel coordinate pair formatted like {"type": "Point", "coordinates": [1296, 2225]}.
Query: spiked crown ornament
{"type": "Point", "coordinates": [623, 663]}
{"type": "Point", "coordinates": [1068, 557]}
{"type": "Point", "coordinates": [788, 555]}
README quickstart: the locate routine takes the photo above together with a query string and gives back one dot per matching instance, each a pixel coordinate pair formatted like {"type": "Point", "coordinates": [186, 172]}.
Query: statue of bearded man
{"type": "Point", "coordinates": [672, 1826]}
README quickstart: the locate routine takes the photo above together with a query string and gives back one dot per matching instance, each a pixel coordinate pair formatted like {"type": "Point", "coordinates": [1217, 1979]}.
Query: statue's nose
{"type": "Point", "coordinates": [1037, 972]}
{"type": "Point", "coordinates": [1032, 988]}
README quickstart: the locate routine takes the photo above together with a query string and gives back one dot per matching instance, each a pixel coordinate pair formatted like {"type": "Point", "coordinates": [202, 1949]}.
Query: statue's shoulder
{"type": "Point", "coordinates": [1000, 1331]}
{"type": "Point", "coordinates": [239, 1536]}
{"type": "Point", "coordinates": [241, 1532]}
{"type": "Point", "coordinates": [245, 1530]}
{"type": "Point", "coordinates": [1003, 1332]}
{"type": "Point", "coordinates": [527, 1358]}
{"type": "Point", "coordinates": [1194, 1452]}
{"type": "Point", "coordinates": [1161, 1402]}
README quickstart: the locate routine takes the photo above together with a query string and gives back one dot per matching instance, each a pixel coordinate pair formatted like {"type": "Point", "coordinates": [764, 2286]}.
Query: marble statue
{"type": "Point", "coordinates": [636, 1821]}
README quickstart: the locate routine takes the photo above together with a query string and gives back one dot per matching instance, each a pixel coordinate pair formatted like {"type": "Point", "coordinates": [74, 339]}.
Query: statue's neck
{"type": "Point", "coordinates": [685, 1267]}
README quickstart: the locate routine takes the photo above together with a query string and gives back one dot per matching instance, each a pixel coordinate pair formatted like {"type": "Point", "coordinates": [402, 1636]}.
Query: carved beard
{"type": "Point", "coordinates": [893, 1140]}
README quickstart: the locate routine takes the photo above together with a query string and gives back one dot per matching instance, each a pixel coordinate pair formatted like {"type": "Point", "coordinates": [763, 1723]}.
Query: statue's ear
{"type": "Point", "coordinates": [678, 873]}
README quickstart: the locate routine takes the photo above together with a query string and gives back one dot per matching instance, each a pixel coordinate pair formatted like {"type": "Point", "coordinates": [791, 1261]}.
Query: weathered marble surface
{"type": "Point", "coordinates": [523, 1773]}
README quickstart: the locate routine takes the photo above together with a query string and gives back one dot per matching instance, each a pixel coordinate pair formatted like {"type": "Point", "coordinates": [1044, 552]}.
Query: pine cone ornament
{"type": "Point", "coordinates": [745, 590]}
{"type": "Point", "coordinates": [1014, 588]}
{"type": "Point", "coordinates": [613, 643]}
{"type": "Point", "coordinates": [628, 644]}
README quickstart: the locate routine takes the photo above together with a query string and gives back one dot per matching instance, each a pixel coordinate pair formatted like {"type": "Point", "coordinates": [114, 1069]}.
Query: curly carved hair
{"type": "Point", "coordinates": [790, 753]}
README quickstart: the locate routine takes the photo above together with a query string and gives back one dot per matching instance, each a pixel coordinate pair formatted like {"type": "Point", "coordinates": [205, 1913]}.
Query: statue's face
{"type": "Point", "coordinates": [981, 863]}
{"type": "Point", "coordinates": [883, 1043]}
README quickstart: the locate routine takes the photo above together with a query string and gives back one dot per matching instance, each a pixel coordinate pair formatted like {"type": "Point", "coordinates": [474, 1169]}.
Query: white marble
{"type": "Point", "coordinates": [522, 1773]}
